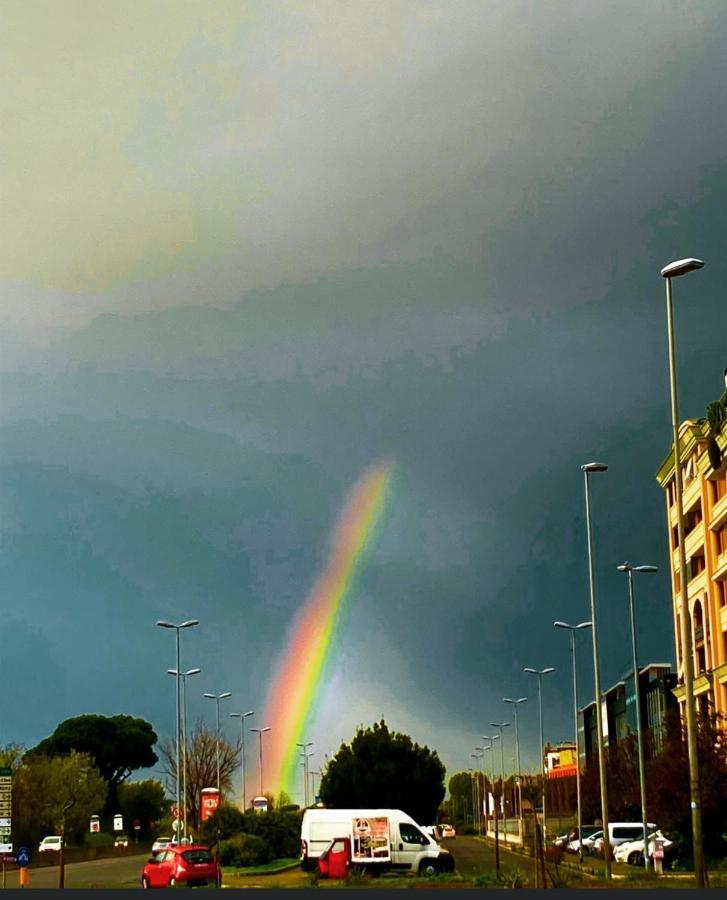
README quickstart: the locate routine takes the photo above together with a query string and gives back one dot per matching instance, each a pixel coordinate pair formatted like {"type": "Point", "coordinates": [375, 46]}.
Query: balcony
{"type": "Point", "coordinates": [694, 540]}
{"type": "Point", "coordinates": [720, 570]}
{"type": "Point", "coordinates": [719, 514]}
{"type": "Point", "coordinates": [691, 493]}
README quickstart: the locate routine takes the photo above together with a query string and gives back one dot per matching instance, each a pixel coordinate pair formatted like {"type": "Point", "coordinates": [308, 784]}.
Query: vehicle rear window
{"type": "Point", "coordinates": [629, 832]}
{"type": "Point", "coordinates": [197, 856]}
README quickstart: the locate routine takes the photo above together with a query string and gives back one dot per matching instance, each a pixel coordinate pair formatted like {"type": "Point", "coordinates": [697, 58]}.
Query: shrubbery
{"type": "Point", "coordinates": [245, 850]}
{"type": "Point", "coordinates": [244, 836]}
{"type": "Point", "coordinates": [98, 839]}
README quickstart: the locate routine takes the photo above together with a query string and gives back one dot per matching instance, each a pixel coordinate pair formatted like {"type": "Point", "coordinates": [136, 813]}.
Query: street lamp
{"type": "Point", "coordinates": [674, 270]}
{"type": "Point", "coordinates": [183, 676]}
{"type": "Point", "coordinates": [217, 698]}
{"type": "Point", "coordinates": [260, 732]}
{"type": "Point", "coordinates": [502, 725]}
{"type": "Point", "coordinates": [573, 629]}
{"type": "Point", "coordinates": [188, 624]}
{"type": "Point", "coordinates": [629, 569]}
{"type": "Point", "coordinates": [515, 704]}
{"type": "Point", "coordinates": [304, 753]}
{"type": "Point", "coordinates": [242, 717]}
{"type": "Point", "coordinates": [540, 673]}
{"type": "Point", "coordinates": [587, 469]}
{"type": "Point", "coordinates": [476, 797]}
{"type": "Point", "coordinates": [491, 747]}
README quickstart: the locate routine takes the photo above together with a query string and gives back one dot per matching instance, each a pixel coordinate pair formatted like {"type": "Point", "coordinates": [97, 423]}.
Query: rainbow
{"type": "Point", "coordinates": [293, 692]}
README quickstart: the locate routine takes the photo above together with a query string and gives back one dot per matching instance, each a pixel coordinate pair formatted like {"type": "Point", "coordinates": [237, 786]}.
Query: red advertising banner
{"type": "Point", "coordinates": [210, 800]}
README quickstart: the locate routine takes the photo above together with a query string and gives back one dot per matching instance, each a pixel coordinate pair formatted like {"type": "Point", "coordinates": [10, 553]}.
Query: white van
{"type": "Point", "coordinates": [619, 833]}
{"type": "Point", "coordinates": [380, 839]}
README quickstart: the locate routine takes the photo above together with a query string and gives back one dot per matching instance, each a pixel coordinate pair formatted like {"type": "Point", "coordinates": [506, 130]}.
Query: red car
{"type": "Point", "coordinates": [181, 864]}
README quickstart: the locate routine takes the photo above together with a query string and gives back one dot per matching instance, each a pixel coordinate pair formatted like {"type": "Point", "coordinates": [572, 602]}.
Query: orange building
{"type": "Point", "coordinates": [704, 483]}
{"type": "Point", "coordinates": [561, 760]}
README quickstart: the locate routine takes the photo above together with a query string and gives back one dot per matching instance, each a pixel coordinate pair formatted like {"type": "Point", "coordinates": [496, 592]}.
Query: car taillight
{"type": "Point", "coordinates": [303, 849]}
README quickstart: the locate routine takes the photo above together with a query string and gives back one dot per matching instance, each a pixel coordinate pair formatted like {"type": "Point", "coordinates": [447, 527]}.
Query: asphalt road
{"type": "Point", "coordinates": [122, 871]}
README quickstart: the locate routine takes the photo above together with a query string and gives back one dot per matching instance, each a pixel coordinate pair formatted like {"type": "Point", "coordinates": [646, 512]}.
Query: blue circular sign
{"type": "Point", "coordinates": [22, 856]}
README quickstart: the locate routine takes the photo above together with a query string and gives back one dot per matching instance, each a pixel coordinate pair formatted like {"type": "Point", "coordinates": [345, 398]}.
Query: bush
{"type": "Point", "coordinates": [98, 839]}
{"type": "Point", "coordinates": [226, 822]}
{"type": "Point", "coordinates": [280, 830]}
{"type": "Point", "coordinates": [245, 850]}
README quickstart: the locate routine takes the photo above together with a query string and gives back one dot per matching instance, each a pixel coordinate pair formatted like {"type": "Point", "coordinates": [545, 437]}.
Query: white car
{"type": "Point", "coordinates": [52, 842]}
{"type": "Point", "coordinates": [161, 843]}
{"type": "Point", "coordinates": [632, 852]}
{"type": "Point", "coordinates": [588, 842]}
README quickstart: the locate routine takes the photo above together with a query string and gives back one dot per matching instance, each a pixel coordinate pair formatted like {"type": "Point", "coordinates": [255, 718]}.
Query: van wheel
{"type": "Point", "coordinates": [635, 858]}
{"type": "Point", "coordinates": [428, 868]}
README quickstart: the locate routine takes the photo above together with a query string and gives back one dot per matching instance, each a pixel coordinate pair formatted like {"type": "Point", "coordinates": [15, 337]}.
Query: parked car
{"type": "Point", "coordinates": [448, 831]}
{"type": "Point", "coordinates": [52, 842]}
{"type": "Point", "coordinates": [121, 841]}
{"type": "Point", "coordinates": [632, 852]}
{"type": "Point", "coordinates": [181, 865]}
{"type": "Point", "coordinates": [620, 833]}
{"type": "Point", "coordinates": [569, 840]}
{"type": "Point", "coordinates": [161, 843]}
{"type": "Point", "coordinates": [588, 841]}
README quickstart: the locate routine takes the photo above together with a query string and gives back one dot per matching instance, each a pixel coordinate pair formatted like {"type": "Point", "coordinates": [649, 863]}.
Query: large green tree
{"type": "Point", "coordinates": [118, 745]}
{"type": "Point", "coordinates": [382, 768]}
{"type": "Point", "coordinates": [143, 801]}
{"type": "Point", "coordinates": [55, 795]}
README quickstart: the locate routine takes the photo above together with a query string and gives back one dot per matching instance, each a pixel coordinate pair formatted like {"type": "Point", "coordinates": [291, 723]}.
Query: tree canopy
{"type": "Point", "coordinates": [382, 768]}
{"type": "Point", "coordinates": [118, 745]}
{"type": "Point", "coordinates": [55, 794]}
{"type": "Point", "coordinates": [202, 746]}
{"type": "Point", "coordinates": [142, 800]}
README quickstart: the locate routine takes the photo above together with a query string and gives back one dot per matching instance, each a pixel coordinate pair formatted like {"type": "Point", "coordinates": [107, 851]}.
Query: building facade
{"type": "Point", "coordinates": [656, 695]}
{"type": "Point", "coordinates": [704, 492]}
{"type": "Point", "coordinates": [560, 759]}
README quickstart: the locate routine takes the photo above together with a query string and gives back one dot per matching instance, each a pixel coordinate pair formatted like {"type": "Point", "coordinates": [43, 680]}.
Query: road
{"type": "Point", "coordinates": [115, 872]}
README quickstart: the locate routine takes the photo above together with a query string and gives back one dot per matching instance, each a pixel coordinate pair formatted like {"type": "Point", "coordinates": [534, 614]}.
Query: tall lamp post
{"type": "Point", "coordinates": [476, 798]}
{"type": "Point", "coordinates": [483, 770]}
{"type": "Point", "coordinates": [500, 726]}
{"type": "Point", "coordinates": [674, 270]}
{"type": "Point", "coordinates": [304, 753]}
{"type": "Point", "coordinates": [515, 704]}
{"type": "Point", "coordinates": [242, 717]}
{"type": "Point", "coordinates": [588, 469]}
{"type": "Point", "coordinates": [629, 569]}
{"type": "Point", "coordinates": [260, 732]}
{"type": "Point", "coordinates": [491, 747]}
{"type": "Point", "coordinates": [183, 676]}
{"type": "Point", "coordinates": [573, 629]}
{"type": "Point", "coordinates": [188, 624]}
{"type": "Point", "coordinates": [217, 698]}
{"type": "Point", "coordinates": [540, 673]}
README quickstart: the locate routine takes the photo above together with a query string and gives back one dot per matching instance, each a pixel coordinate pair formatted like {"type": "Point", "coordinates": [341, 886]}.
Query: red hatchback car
{"type": "Point", "coordinates": [181, 864]}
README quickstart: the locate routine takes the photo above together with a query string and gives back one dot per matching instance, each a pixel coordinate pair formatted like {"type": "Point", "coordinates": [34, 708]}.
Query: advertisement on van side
{"type": "Point", "coordinates": [370, 839]}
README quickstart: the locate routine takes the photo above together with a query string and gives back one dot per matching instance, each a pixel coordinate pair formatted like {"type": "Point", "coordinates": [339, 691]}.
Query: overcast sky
{"type": "Point", "coordinates": [249, 249]}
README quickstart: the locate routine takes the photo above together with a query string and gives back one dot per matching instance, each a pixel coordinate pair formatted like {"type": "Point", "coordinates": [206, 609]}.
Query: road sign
{"type": "Point", "coordinates": [6, 848]}
{"type": "Point", "coordinates": [22, 855]}
{"type": "Point", "coordinates": [5, 831]}
{"type": "Point", "coordinates": [137, 824]}
{"type": "Point", "coordinates": [5, 821]}
{"type": "Point", "coordinates": [175, 812]}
